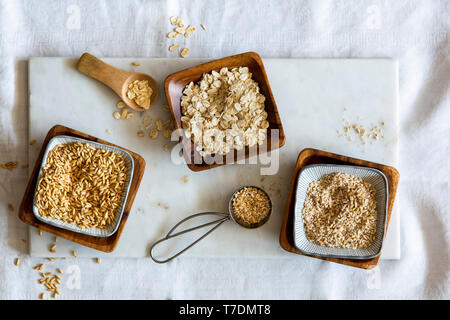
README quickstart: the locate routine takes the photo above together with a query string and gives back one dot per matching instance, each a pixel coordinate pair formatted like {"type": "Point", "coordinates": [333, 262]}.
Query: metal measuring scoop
{"type": "Point", "coordinates": [223, 217]}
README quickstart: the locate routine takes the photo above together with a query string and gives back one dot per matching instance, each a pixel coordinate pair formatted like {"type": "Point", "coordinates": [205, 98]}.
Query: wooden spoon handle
{"type": "Point", "coordinates": [103, 72]}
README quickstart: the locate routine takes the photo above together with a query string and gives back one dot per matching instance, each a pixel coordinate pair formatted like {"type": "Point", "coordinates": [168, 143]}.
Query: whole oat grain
{"type": "Point", "coordinates": [81, 185]}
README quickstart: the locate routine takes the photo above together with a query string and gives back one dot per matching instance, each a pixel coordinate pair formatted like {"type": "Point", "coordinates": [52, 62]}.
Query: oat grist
{"type": "Point", "coordinates": [81, 185]}
{"type": "Point", "coordinates": [340, 211]}
{"type": "Point", "coordinates": [250, 206]}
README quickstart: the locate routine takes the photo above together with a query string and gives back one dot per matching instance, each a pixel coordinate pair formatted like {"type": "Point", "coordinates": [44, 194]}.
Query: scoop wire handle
{"type": "Point", "coordinates": [169, 235]}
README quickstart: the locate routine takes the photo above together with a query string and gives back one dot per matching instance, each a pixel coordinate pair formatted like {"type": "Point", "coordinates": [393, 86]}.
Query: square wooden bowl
{"type": "Point", "coordinates": [314, 156]}
{"type": "Point", "coordinates": [105, 244]}
{"type": "Point", "coordinates": [176, 82]}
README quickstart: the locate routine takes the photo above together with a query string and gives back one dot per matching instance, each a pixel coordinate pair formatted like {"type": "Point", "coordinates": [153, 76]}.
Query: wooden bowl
{"type": "Point", "coordinates": [313, 156]}
{"type": "Point", "coordinates": [105, 244]}
{"type": "Point", "coordinates": [175, 84]}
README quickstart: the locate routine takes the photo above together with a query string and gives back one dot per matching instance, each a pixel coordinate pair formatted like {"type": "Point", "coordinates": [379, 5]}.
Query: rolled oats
{"type": "Point", "coordinates": [140, 92]}
{"type": "Point", "coordinates": [224, 111]}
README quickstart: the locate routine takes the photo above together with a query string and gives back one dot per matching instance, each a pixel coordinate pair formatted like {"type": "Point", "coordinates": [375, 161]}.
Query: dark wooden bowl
{"type": "Point", "coordinates": [314, 156]}
{"type": "Point", "coordinates": [176, 82]}
{"type": "Point", "coordinates": [105, 244]}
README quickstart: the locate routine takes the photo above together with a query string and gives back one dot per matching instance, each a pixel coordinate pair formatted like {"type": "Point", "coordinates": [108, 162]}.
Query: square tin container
{"type": "Point", "coordinates": [96, 232]}
{"type": "Point", "coordinates": [314, 172]}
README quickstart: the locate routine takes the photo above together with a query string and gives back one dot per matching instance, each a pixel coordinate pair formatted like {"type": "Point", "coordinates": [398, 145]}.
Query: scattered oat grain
{"type": "Point", "coordinates": [9, 165]}
{"type": "Point", "coordinates": [153, 134]}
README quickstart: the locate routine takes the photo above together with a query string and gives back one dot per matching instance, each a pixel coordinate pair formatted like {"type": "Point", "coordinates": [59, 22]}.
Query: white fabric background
{"type": "Point", "coordinates": [415, 32]}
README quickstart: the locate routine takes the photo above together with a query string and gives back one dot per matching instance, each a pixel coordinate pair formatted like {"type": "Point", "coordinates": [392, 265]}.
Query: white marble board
{"type": "Point", "coordinates": [312, 96]}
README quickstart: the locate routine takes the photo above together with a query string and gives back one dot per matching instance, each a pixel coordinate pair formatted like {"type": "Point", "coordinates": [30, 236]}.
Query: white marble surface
{"type": "Point", "coordinates": [311, 95]}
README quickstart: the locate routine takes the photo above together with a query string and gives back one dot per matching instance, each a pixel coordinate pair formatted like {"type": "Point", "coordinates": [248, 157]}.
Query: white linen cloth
{"type": "Point", "coordinates": [414, 32]}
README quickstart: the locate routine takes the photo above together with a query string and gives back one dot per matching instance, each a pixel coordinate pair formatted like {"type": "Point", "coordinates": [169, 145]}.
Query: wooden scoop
{"type": "Point", "coordinates": [116, 79]}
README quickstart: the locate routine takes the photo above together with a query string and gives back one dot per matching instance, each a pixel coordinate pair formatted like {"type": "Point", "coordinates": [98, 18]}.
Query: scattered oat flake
{"type": "Point", "coordinates": [184, 52]}
{"type": "Point", "coordinates": [203, 26]}
{"type": "Point", "coordinates": [32, 142]}
{"type": "Point", "coordinates": [145, 119]}
{"type": "Point", "coordinates": [130, 115]}
{"type": "Point", "coordinates": [180, 30]}
{"type": "Point", "coordinates": [165, 107]}
{"type": "Point", "coordinates": [17, 261]}
{"type": "Point", "coordinates": [172, 34]}
{"type": "Point", "coordinates": [135, 63]}
{"type": "Point", "coordinates": [123, 115]}
{"type": "Point", "coordinates": [165, 147]}
{"type": "Point", "coordinates": [140, 133]}
{"type": "Point", "coordinates": [98, 260]}
{"type": "Point", "coordinates": [179, 22]}
{"type": "Point", "coordinates": [24, 241]}
{"type": "Point", "coordinates": [52, 248]}
{"type": "Point", "coordinates": [189, 30]}
{"type": "Point", "coordinates": [40, 232]}
{"type": "Point", "coordinates": [74, 253]}
{"type": "Point", "coordinates": [185, 179]}
{"type": "Point", "coordinates": [10, 207]}
{"type": "Point", "coordinates": [174, 47]}
{"type": "Point", "coordinates": [116, 115]}
{"type": "Point", "coordinates": [59, 270]}
{"type": "Point", "coordinates": [42, 296]}
{"type": "Point", "coordinates": [120, 104]}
